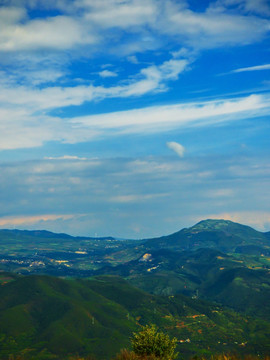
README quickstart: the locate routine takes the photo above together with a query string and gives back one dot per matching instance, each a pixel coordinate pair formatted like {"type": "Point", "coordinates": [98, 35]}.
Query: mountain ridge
{"type": "Point", "coordinates": [49, 234]}
{"type": "Point", "coordinates": [224, 235]}
{"type": "Point", "coordinates": [206, 224]}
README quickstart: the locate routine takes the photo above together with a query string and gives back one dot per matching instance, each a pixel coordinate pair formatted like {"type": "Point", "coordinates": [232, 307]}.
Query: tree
{"type": "Point", "coordinates": [150, 342]}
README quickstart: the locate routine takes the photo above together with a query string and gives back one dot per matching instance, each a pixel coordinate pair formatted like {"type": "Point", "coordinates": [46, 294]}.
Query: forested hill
{"type": "Point", "coordinates": [223, 235]}
{"type": "Point", "coordinates": [45, 317]}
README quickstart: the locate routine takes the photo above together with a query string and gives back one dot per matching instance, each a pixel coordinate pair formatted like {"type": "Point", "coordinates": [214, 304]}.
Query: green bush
{"type": "Point", "coordinates": [150, 342]}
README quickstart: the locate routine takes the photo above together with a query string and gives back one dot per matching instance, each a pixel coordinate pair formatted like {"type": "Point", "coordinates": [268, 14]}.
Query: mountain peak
{"type": "Point", "coordinates": [213, 224]}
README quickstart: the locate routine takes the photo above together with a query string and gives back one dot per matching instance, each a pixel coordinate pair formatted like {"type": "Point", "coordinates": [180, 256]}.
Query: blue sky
{"type": "Point", "coordinates": [134, 118]}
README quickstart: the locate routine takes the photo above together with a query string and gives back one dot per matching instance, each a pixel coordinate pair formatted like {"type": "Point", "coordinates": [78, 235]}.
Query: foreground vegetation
{"type": "Point", "coordinates": [43, 317]}
{"type": "Point", "coordinates": [149, 343]}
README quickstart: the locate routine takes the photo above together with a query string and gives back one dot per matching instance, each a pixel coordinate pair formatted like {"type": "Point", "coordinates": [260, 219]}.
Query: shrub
{"type": "Point", "coordinates": [150, 342]}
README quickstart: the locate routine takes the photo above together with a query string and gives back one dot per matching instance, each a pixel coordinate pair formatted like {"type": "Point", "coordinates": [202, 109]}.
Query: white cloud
{"type": "Point", "coordinates": [177, 148]}
{"type": "Point", "coordinates": [107, 73]}
{"type": "Point", "coordinates": [150, 79]}
{"type": "Point", "coordinates": [219, 193]}
{"type": "Point", "coordinates": [86, 27]}
{"type": "Point", "coordinates": [160, 118]}
{"type": "Point", "coordinates": [250, 6]}
{"type": "Point", "coordinates": [66, 157]}
{"type": "Point", "coordinates": [135, 198]}
{"type": "Point", "coordinates": [213, 28]}
{"type": "Point", "coordinates": [258, 6]}
{"type": "Point", "coordinates": [19, 129]}
{"type": "Point", "coordinates": [11, 15]}
{"type": "Point", "coordinates": [253, 68]}
{"type": "Point", "coordinates": [172, 68]}
{"type": "Point", "coordinates": [25, 126]}
{"type": "Point", "coordinates": [107, 25]}
{"type": "Point", "coordinates": [110, 14]}
{"type": "Point", "coordinates": [58, 33]}
{"type": "Point", "coordinates": [133, 59]}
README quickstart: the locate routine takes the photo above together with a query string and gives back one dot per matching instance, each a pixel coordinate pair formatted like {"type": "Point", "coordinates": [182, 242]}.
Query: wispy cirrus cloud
{"type": "Point", "coordinates": [150, 79]}
{"type": "Point", "coordinates": [65, 157]}
{"type": "Point", "coordinates": [252, 68]}
{"type": "Point", "coordinates": [160, 118]}
{"type": "Point", "coordinates": [38, 128]}
{"type": "Point", "coordinates": [27, 108]}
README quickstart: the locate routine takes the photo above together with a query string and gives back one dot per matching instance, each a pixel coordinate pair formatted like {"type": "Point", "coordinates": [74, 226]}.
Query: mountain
{"type": "Point", "coordinates": [45, 317]}
{"type": "Point", "coordinates": [44, 234]}
{"type": "Point", "coordinates": [208, 285]}
{"type": "Point", "coordinates": [223, 235]}
{"type": "Point", "coordinates": [217, 260]}
{"type": "Point", "coordinates": [64, 255]}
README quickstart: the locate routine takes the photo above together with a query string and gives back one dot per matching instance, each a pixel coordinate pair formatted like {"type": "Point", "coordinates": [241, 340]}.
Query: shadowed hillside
{"type": "Point", "coordinates": [49, 318]}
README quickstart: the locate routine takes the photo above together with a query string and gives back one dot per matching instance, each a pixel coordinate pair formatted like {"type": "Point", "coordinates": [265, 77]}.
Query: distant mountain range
{"type": "Point", "coordinates": [206, 233]}
{"type": "Point", "coordinates": [44, 234]}
{"type": "Point", "coordinates": [217, 272]}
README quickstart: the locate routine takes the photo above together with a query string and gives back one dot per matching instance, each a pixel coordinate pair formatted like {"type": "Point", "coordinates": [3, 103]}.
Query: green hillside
{"type": "Point", "coordinates": [43, 252]}
{"type": "Point", "coordinates": [65, 317]}
{"type": "Point", "coordinates": [215, 260]}
{"type": "Point", "coordinates": [223, 235]}
{"type": "Point", "coordinates": [241, 282]}
{"type": "Point", "coordinates": [242, 289]}
{"type": "Point", "coordinates": [43, 317]}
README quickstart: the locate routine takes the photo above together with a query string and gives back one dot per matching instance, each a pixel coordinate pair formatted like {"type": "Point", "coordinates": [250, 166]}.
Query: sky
{"type": "Point", "coordinates": [134, 118]}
